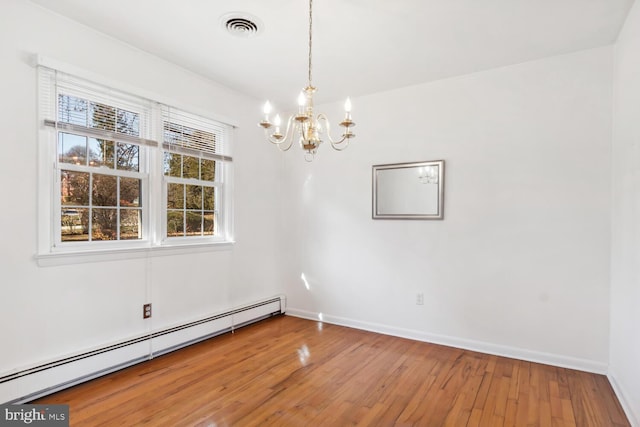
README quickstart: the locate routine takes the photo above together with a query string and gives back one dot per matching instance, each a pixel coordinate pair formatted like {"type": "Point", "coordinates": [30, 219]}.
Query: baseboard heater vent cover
{"type": "Point", "coordinates": [37, 381]}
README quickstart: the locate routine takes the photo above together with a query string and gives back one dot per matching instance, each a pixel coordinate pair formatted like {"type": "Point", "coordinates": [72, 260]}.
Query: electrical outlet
{"type": "Point", "coordinates": [420, 298]}
{"type": "Point", "coordinates": [146, 311]}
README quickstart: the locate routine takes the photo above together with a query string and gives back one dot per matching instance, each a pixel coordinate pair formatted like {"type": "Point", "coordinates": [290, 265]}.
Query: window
{"type": "Point", "coordinates": [193, 176]}
{"type": "Point", "coordinates": [114, 156]}
{"type": "Point", "coordinates": [100, 179]}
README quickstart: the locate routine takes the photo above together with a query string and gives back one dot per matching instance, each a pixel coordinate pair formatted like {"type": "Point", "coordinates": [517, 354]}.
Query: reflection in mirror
{"type": "Point", "coordinates": [408, 190]}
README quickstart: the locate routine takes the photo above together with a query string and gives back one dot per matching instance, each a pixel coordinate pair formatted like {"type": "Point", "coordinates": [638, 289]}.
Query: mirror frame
{"type": "Point", "coordinates": [440, 197]}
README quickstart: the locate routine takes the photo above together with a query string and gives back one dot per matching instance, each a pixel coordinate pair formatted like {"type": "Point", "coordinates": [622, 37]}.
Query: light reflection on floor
{"type": "Point", "coordinates": [304, 354]}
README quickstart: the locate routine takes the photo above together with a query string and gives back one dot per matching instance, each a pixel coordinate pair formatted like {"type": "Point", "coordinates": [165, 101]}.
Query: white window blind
{"type": "Point", "coordinates": [193, 135]}
{"type": "Point", "coordinates": [97, 110]}
{"type": "Point", "coordinates": [73, 104]}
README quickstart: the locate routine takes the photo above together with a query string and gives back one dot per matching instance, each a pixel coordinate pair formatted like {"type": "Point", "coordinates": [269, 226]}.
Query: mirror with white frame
{"type": "Point", "coordinates": [409, 190]}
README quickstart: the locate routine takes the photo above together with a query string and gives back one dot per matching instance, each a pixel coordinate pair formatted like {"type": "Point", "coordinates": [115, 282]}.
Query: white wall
{"type": "Point", "coordinates": [625, 278]}
{"type": "Point", "coordinates": [48, 312]}
{"type": "Point", "coordinates": [520, 264]}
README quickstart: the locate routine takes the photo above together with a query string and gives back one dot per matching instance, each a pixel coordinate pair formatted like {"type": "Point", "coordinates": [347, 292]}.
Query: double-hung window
{"type": "Point", "coordinates": [101, 170]}
{"type": "Point", "coordinates": [193, 173]}
{"type": "Point", "coordinates": [123, 171]}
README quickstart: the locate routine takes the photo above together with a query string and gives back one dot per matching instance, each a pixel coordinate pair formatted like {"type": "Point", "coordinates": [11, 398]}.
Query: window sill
{"type": "Point", "coordinates": [113, 254]}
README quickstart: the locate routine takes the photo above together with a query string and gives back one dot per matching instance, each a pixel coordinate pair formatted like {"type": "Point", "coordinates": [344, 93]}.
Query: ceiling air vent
{"type": "Point", "coordinates": [240, 24]}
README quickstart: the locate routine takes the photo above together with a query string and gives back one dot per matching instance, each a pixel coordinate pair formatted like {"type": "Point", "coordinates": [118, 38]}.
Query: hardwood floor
{"type": "Point", "coordinates": [287, 371]}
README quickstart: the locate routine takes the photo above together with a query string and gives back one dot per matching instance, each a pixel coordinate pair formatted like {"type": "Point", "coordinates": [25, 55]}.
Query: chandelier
{"type": "Point", "coordinates": [304, 125]}
{"type": "Point", "coordinates": [428, 175]}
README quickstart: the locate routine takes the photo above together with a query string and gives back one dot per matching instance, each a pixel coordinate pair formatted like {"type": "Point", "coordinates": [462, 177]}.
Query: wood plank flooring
{"type": "Point", "coordinates": [286, 371]}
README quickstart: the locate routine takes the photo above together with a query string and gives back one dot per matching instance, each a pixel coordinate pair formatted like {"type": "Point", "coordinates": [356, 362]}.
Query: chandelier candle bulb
{"type": "Point", "coordinates": [267, 111]}
{"type": "Point", "coordinates": [277, 122]}
{"type": "Point", "coordinates": [265, 123]}
{"type": "Point", "coordinates": [347, 109]}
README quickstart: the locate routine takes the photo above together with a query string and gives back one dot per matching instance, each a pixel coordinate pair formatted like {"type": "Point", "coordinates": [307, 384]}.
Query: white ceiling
{"type": "Point", "coordinates": [359, 46]}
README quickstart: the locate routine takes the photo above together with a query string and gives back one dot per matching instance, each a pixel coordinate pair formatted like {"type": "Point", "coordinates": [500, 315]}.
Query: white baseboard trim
{"type": "Point", "coordinates": [479, 346]}
{"type": "Point", "coordinates": [618, 389]}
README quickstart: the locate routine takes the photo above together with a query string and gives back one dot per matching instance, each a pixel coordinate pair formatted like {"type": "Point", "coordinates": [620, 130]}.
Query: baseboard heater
{"type": "Point", "coordinates": [32, 383]}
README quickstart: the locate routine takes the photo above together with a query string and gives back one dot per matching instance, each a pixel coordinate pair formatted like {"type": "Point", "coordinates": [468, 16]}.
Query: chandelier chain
{"type": "Point", "coordinates": [310, 38]}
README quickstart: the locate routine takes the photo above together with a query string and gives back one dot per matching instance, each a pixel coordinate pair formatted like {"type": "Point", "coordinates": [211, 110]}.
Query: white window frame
{"type": "Point", "coordinates": [222, 175]}
{"type": "Point", "coordinates": [142, 174]}
{"type": "Point", "coordinates": [51, 250]}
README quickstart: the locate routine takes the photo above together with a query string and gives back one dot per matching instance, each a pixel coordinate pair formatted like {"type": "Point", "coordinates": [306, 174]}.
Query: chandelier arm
{"type": "Point", "coordinates": [279, 143]}
{"type": "Point", "coordinates": [340, 147]}
{"type": "Point", "coordinates": [336, 145]}
{"type": "Point", "coordinates": [289, 133]}
{"type": "Point", "coordinates": [281, 147]}
{"type": "Point", "coordinates": [288, 136]}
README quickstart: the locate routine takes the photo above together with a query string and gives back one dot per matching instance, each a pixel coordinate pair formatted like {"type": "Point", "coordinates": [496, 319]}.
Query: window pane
{"type": "Point", "coordinates": [128, 157]}
{"type": "Point", "coordinates": [74, 188]}
{"type": "Point", "coordinates": [72, 110]}
{"type": "Point", "coordinates": [209, 198]}
{"type": "Point", "coordinates": [130, 224]}
{"type": "Point", "coordinates": [191, 167]}
{"type": "Point", "coordinates": [194, 197]}
{"type": "Point", "coordinates": [72, 149]}
{"type": "Point", "coordinates": [208, 223]}
{"type": "Point", "coordinates": [172, 164]}
{"type": "Point", "coordinates": [102, 116]}
{"type": "Point", "coordinates": [130, 192]}
{"type": "Point", "coordinates": [208, 170]}
{"type": "Point", "coordinates": [175, 223]}
{"type": "Point", "coordinates": [101, 153]}
{"type": "Point", "coordinates": [74, 225]}
{"type": "Point", "coordinates": [175, 196]}
{"type": "Point", "coordinates": [104, 191]}
{"type": "Point", "coordinates": [194, 223]}
{"type": "Point", "coordinates": [104, 224]}
{"type": "Point", "coordinates": [128, 122]}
